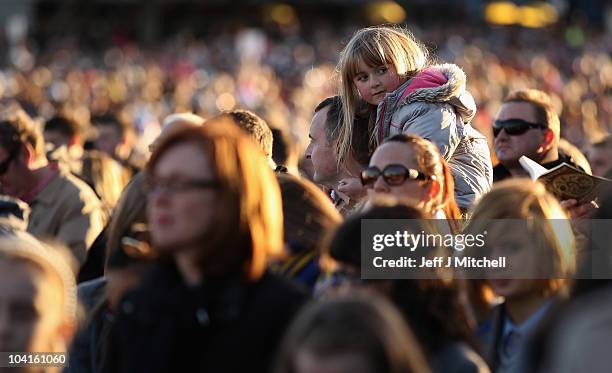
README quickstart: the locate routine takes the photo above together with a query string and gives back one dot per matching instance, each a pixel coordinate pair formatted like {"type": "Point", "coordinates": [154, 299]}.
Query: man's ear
{"type": "Point", "coordinates": [547, 141]}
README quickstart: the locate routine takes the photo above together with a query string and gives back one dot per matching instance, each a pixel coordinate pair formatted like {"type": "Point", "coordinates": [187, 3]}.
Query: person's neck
{"type": "Point", "coordinates": [188, 266]}
{"type": "Point", "coordinates": [521, 309]}
{"type": "Point", "coordinates": [516, 170]}
{"type": "Point", "coordinates": [350, 170]}
{"type": "Point", "coordinates": [38, 172]}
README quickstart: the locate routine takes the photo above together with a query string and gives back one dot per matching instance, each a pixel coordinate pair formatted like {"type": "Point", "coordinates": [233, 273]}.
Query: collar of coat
{"type": "Point", "coordinates": [437, 83]}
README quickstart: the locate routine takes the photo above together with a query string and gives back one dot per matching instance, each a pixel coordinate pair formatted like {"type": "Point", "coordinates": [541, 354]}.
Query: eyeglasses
{"type": "Point", "coordinates": [514, 127]}
{"type": "Point", "coordinates": [7, 162]}
{"type": "Point", "coordinates": [177, 185]}
{"type": "Point", "coordinates": [393, 174]}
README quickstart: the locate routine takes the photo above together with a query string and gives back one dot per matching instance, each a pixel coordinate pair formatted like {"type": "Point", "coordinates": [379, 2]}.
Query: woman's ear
{"type": "Point", "coordinates": [433, 190]}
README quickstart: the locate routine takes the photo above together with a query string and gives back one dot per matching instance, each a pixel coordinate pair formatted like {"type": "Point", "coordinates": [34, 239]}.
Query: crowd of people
{"type": "Point", "coordinates": [160, 213]}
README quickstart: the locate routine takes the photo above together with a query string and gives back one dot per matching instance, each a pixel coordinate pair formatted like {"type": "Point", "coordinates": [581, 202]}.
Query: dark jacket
{"type": "Point", "coordinates": [491, 336]}
{"type": "Point", "coordinates": [501, 173]}
{"type": "Point", "coordinates": [83, 356]}
{"type": "Point", "coordinates": [220, 326]}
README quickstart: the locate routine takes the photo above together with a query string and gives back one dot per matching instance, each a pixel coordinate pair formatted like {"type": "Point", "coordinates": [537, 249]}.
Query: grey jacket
{"type": "Point", "coordinates": [436, 106]}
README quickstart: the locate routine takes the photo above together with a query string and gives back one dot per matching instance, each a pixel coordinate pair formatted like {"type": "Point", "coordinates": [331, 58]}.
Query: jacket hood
{"type": "Point", "coordinates": [441, 83]}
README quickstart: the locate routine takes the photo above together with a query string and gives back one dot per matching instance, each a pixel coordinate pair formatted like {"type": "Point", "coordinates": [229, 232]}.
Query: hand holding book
{"type": "Point", "coordinates": [566, 181]}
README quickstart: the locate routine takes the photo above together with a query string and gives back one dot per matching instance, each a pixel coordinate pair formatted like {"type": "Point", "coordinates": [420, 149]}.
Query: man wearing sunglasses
{"type": "Point", "coordinates": [62, 206]}
{"type": "Point", "coordinates": [526, 124]}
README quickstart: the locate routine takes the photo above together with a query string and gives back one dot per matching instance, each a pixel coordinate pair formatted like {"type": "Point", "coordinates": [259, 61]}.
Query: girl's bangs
{"type": "Point", "coordinates": [371, 55]}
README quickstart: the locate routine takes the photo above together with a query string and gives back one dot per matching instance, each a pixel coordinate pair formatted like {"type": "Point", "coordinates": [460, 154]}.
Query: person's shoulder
{"type": "Point", "coordinates": [89, 292]}
{"type": "Point", "coordinates": [458, 357]}
{"type": "Point", "coordinates": [73, 187]}
{"type": "Point", "coordinates": [272, 284]}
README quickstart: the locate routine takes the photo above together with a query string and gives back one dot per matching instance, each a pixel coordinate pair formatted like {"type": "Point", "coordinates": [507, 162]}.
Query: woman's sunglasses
{"type": "Point", "coordinates": [393, 174]}
{"type": "Point", "coordinates": [514, 127]}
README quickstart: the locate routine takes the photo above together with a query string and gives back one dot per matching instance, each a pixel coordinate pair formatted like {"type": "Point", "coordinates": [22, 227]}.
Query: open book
{"type": "Point", "coordinates": [566, 181]}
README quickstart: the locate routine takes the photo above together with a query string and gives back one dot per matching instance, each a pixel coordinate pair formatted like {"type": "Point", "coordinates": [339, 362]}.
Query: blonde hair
{"type": "Point", "coordinates": [248, 228]}
{"type": "Point", "coordinates": [374, 46]}
{"type": "Point", "coordinates": [522, 198]}
{"type": "Point", "coordinates": [130, 209]}
{"type": "Point", "coordinates": [54, 261]}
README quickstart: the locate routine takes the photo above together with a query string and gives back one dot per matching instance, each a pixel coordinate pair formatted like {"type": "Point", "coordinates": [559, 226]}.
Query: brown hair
{"type": "Point", "coordinates": [249, 224]}
{"type": "Point", "coordinates": [433, 165]}
{"type": "Point", "coordinates": [545, 112]}
{"type": "Point", "coordinates": [308, 213]}
{"type": "Point", "coordinates": [255, 126]}
{"type": "Point", "coordinates": [17, 129]}
{"type": "Point", "coordinates": [363, 324]}
{"type": "Point", "coordinates": [522, 198]}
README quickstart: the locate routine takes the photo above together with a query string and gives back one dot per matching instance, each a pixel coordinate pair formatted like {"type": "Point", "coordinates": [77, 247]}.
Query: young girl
{"type": "Point", "coordinates": [528, 227]}
{"type": "Point", "coordinates": [384, 74]}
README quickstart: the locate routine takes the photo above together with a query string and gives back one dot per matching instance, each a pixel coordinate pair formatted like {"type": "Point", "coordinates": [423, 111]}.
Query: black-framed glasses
{"type": "Point", "coordinates": [177, 185]}
{"type": "Point", "coordinates": [7, 162]}
{"type": "Point", "coordinates": [514, 127]}
{"type": "Point", "coordinates": [393, 174]}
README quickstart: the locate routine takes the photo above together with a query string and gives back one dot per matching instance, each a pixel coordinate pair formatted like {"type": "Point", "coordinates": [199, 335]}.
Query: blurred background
{"type": "Point", "coordinates": [147, 58]}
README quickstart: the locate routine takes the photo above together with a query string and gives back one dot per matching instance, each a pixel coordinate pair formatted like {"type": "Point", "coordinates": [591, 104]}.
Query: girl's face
{"type": "Point", "coordinates": [374, 82]}
{"type": "Point", "coordinates": [511, 239]}
{"type": "Point", "coordinates": [181, 198]}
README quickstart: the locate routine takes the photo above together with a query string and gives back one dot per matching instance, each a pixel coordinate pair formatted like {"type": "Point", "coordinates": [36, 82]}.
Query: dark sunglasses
{"type": "Point", "coordinates": [393, 174]}
{"type": "Point", "coordinates": [514, 127]}
{"type": "Point", "coordinates": [7, 162]}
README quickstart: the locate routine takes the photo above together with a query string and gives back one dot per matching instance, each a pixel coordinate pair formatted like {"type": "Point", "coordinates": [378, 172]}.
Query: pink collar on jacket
{"type": "Point", "coordinates": [428, 78]}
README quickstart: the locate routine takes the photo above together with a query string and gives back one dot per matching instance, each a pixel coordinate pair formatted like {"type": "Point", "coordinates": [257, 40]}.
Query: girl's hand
{"type": "Point", "coordinates": [352, 188]}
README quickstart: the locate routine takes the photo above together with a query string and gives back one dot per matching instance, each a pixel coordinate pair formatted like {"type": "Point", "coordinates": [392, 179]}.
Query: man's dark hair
{"type": "Point", "coordinates": [17, 128]}
{"type": "Point", "coordinates": [333, 122]}
{"type": "Point", "coordinates": [257, 128]}
{"type": "Point", "coordinates": [64, 125]}
{"type": "Point", "coordinates": [284, 150]}
{"type": "Point", "coordinates": [111, 120]}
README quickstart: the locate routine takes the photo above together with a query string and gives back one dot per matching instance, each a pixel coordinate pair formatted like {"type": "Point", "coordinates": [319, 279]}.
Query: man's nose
{"type": "Point", "coordinates": [501, 135]}
{"type": "Point", "coordinates": [308, 152]}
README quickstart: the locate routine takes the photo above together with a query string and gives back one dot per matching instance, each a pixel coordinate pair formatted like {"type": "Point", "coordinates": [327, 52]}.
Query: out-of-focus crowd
{"type": "Point", "coordinates": [283, 78]}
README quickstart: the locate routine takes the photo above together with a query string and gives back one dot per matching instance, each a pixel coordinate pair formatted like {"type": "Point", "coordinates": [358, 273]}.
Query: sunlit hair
{"type": "Point", "coordinates": [308, 213]}
{"type": "Point", "coordinates": [174, 123]}
{"type": "Point", "coordinates": [106, 176]}
{"type": "Point", "coordinates": [363, 325]}
{"type": "Point", "coordinates": [522, 198]}
{"type": "Point", "coordinates": [54, 262]}
{"type": "Point", "coordinates": [17, 129]}
{"type": "Point", "coordinates": [541, 102]}
{"type": "Point", "coordinates": [248, 224]}
{"type": "Point", "coordinates": [434, 166]}
{"type": "Point", "coordinates": [130, 210]}
{"type": "Point", "coordinates": [374, 46]}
